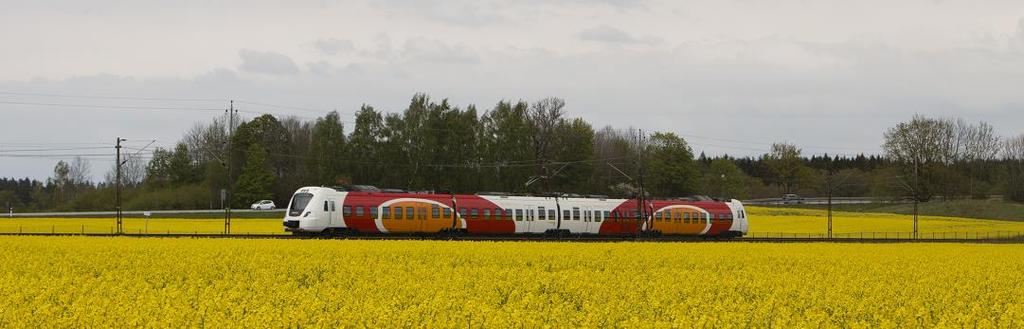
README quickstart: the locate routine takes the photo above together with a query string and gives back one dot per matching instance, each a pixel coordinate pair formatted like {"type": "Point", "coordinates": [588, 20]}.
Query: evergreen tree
{"type": "Point", "coordinates": [327, 152]}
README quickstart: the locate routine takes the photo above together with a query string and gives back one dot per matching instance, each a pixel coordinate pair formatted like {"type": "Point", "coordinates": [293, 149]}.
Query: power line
{"type": "Point", "coordinates": [54, 149]}
{"type": "Point", "coordinates": [113, 107]}
{"type": "Point", "coordinates": [297, 108]}
{"type": "Point", "coordinates": [172, 99]}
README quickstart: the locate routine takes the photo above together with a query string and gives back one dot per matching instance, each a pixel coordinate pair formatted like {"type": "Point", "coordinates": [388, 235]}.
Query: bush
{"type": "Point", "coordinates": [175, 198]}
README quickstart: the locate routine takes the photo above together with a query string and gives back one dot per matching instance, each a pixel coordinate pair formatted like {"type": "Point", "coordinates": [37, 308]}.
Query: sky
{"type": "Point", "coordinates": [730, 76]}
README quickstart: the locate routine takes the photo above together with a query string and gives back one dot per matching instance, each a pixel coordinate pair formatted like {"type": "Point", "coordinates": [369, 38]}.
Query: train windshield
{"type": "Point", "coordinates": [299, 202]}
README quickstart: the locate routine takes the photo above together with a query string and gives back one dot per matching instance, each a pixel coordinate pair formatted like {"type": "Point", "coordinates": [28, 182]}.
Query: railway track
{"type": "Point", "coordinates": [541, 238]}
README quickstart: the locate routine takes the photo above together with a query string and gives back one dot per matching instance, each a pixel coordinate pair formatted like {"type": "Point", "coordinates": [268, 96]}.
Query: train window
{"type": "Point", "coordinates": [332, 206]}
{"type": "Point", "coordinates": [518, 215]}
{"type": "Point", "coordinates": [473, 213]}
{"type": "Point", "coordinates": [463, 212]}
{"type": "Point", "coordinates": [385, 213]}
{"type": "Point", "coordinates": [575, 213]}
{"type": "Point", "coordinates": [410, 213]}
{"type": "Point", "coordinates": [552, 214]}
{"type": "Point", "coordinates": [636, 215]}
{"type": "Point", "coordinates": [657, 216]}
{"type": "Point", "coordinates": [600, 216]}
{"type": "Point", "coordinates": [543, 214]}
{"type": "Point", "coordinates": [606, 215]}
{"type": "Point", "coordinates": [487, 213]}
{"type": "Point", "coordinates": [398, 212]}
{"type": "Point", "coordinates": [565, 215]}
{"type": "Point", "coordinates": [447, 212]}
{"type": "Point", "coordinates": [347, 210]}
{"type": "Point", "coordinates": [508, 214]}
{"type": "Point", "coordinates": [325, 206]}
{"type": "Point", "coordinates": [435, 212]}
{"type": "Point", "coordinates": [373, 212]}
{"type": "Point", "coordinates": [359, 211]}
{"type": "Point", "coordinates": [686, 218]}
{"type": "Point", "coordinates": [422, 213]}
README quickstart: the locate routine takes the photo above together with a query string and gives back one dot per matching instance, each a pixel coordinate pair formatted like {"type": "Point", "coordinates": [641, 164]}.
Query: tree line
{"type": "Point", "coordinates": [518, 147]}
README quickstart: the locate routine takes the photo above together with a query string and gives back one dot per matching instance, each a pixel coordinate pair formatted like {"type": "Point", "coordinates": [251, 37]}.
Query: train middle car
{"type": "Point", "coordinates": [328, 210]}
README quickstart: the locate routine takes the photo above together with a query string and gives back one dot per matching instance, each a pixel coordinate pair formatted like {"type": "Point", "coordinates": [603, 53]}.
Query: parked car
{"type": "Point", "coordinates": [792, 199]}
{"type": "Point", "coordinates": [263, 205]}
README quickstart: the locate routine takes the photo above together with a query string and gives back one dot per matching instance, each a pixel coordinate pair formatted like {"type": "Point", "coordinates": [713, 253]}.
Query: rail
{"type": "Point", "coordinates": [772, 237]}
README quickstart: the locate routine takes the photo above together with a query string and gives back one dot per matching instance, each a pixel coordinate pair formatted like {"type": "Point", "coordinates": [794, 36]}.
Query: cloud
{"type": "Point", "coordinates": [334, 46]}
{"type": "Point", "coordinates": [432, 50]}
{"type": "Point", "coordinates": [612, 35]}
{"type": "Point", "coordinates": [267, 62]}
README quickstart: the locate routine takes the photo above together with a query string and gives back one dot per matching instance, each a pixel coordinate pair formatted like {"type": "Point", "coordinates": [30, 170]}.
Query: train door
{"type": "Point", "coordinates": [328, 204]}
{"type": "Point", "coordinates": [588, 219]}
{"type": "Point", "coordinates": [421, 219]}
{"type": "Point", "coordinates": [528, 212]}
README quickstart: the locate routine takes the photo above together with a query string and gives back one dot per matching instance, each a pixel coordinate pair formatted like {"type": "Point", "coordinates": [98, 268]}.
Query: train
{"type": "Point", "coordinates": [369, 210]}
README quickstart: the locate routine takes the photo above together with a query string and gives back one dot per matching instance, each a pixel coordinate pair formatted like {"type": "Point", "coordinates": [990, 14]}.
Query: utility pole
{"type": "Point", "coordinates": [117, 186]}
{"type": "Point", "coordinates": [641, 197]}
{"type": "Point", "coordinates": [231, 133]}
{"type": "Point", "coordinates": [917, 186]}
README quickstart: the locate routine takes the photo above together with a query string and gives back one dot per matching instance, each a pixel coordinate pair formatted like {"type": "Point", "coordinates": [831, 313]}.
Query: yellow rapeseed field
{"type": "Point", "coordinates": [159, 282]}
{"type": "Point", "coordinates": [763, 220]}
{"type": "Point", "coordinates": [802, 221]}
{"type": "Point", "coordinates": [140, 225]}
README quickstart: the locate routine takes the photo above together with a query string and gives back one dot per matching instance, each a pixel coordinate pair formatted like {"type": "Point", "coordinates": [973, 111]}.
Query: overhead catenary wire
{"type": "Point", "coordinates": [113, 107]}
{"type": "Point", "coordinates": [162, 99]}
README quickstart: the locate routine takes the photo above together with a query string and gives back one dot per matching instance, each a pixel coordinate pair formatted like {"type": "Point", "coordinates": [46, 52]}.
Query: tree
{"type": "Point", "coordinates": [921, 148]}
{"type": "Point", "coordinates": [619, 149]}
{"type": "Point", "coordinates": [545, 119]}
{"type": "Point", "coordinates": [61, 180]}
{"type": "Point", "coordinates": [172, 168]}
{"type": "Point", "coordinates": [506, 139]}
{"type": "Point", "coordinates": [133, 171]}
{"type": "Point", "coordinates": [786, 166]}
{"type": "Point", "coordinates": [327, 150]}
{"type": "Point", "coordinates": [364, 143]}
{"type": "Point", "coordinates": [722, 178]}
{"type": "Point", "coordinates": [672, 170]}
{"type": "Point", "coordinates": [79, 173]}
{"type": "Point", "coordinates": [256, 180]}
{"type": "Point", "coordinates": [1013, 154]}
{"type": "Point", "coordinates": [978, 146]}
{"type": "Point", "coordinates": [574, 149]}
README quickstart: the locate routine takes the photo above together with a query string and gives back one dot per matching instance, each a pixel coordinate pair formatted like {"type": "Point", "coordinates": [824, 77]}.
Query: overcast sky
{"type": "Point", "coordinates": [731, 76]}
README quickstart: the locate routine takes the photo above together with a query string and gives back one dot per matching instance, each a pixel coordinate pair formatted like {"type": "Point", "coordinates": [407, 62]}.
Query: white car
{"type": "Point", "coordinates": [263, 205]}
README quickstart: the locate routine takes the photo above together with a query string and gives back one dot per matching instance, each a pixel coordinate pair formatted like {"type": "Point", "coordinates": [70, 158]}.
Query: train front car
{"type": "Point", "coordinates": [313, 210]}
{"type": "Point", "coordinates": [740, 225]}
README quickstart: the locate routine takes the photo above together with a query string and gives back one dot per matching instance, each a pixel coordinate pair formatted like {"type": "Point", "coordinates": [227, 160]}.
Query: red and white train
{"type": "Point", "coordinates": [324, 210]}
